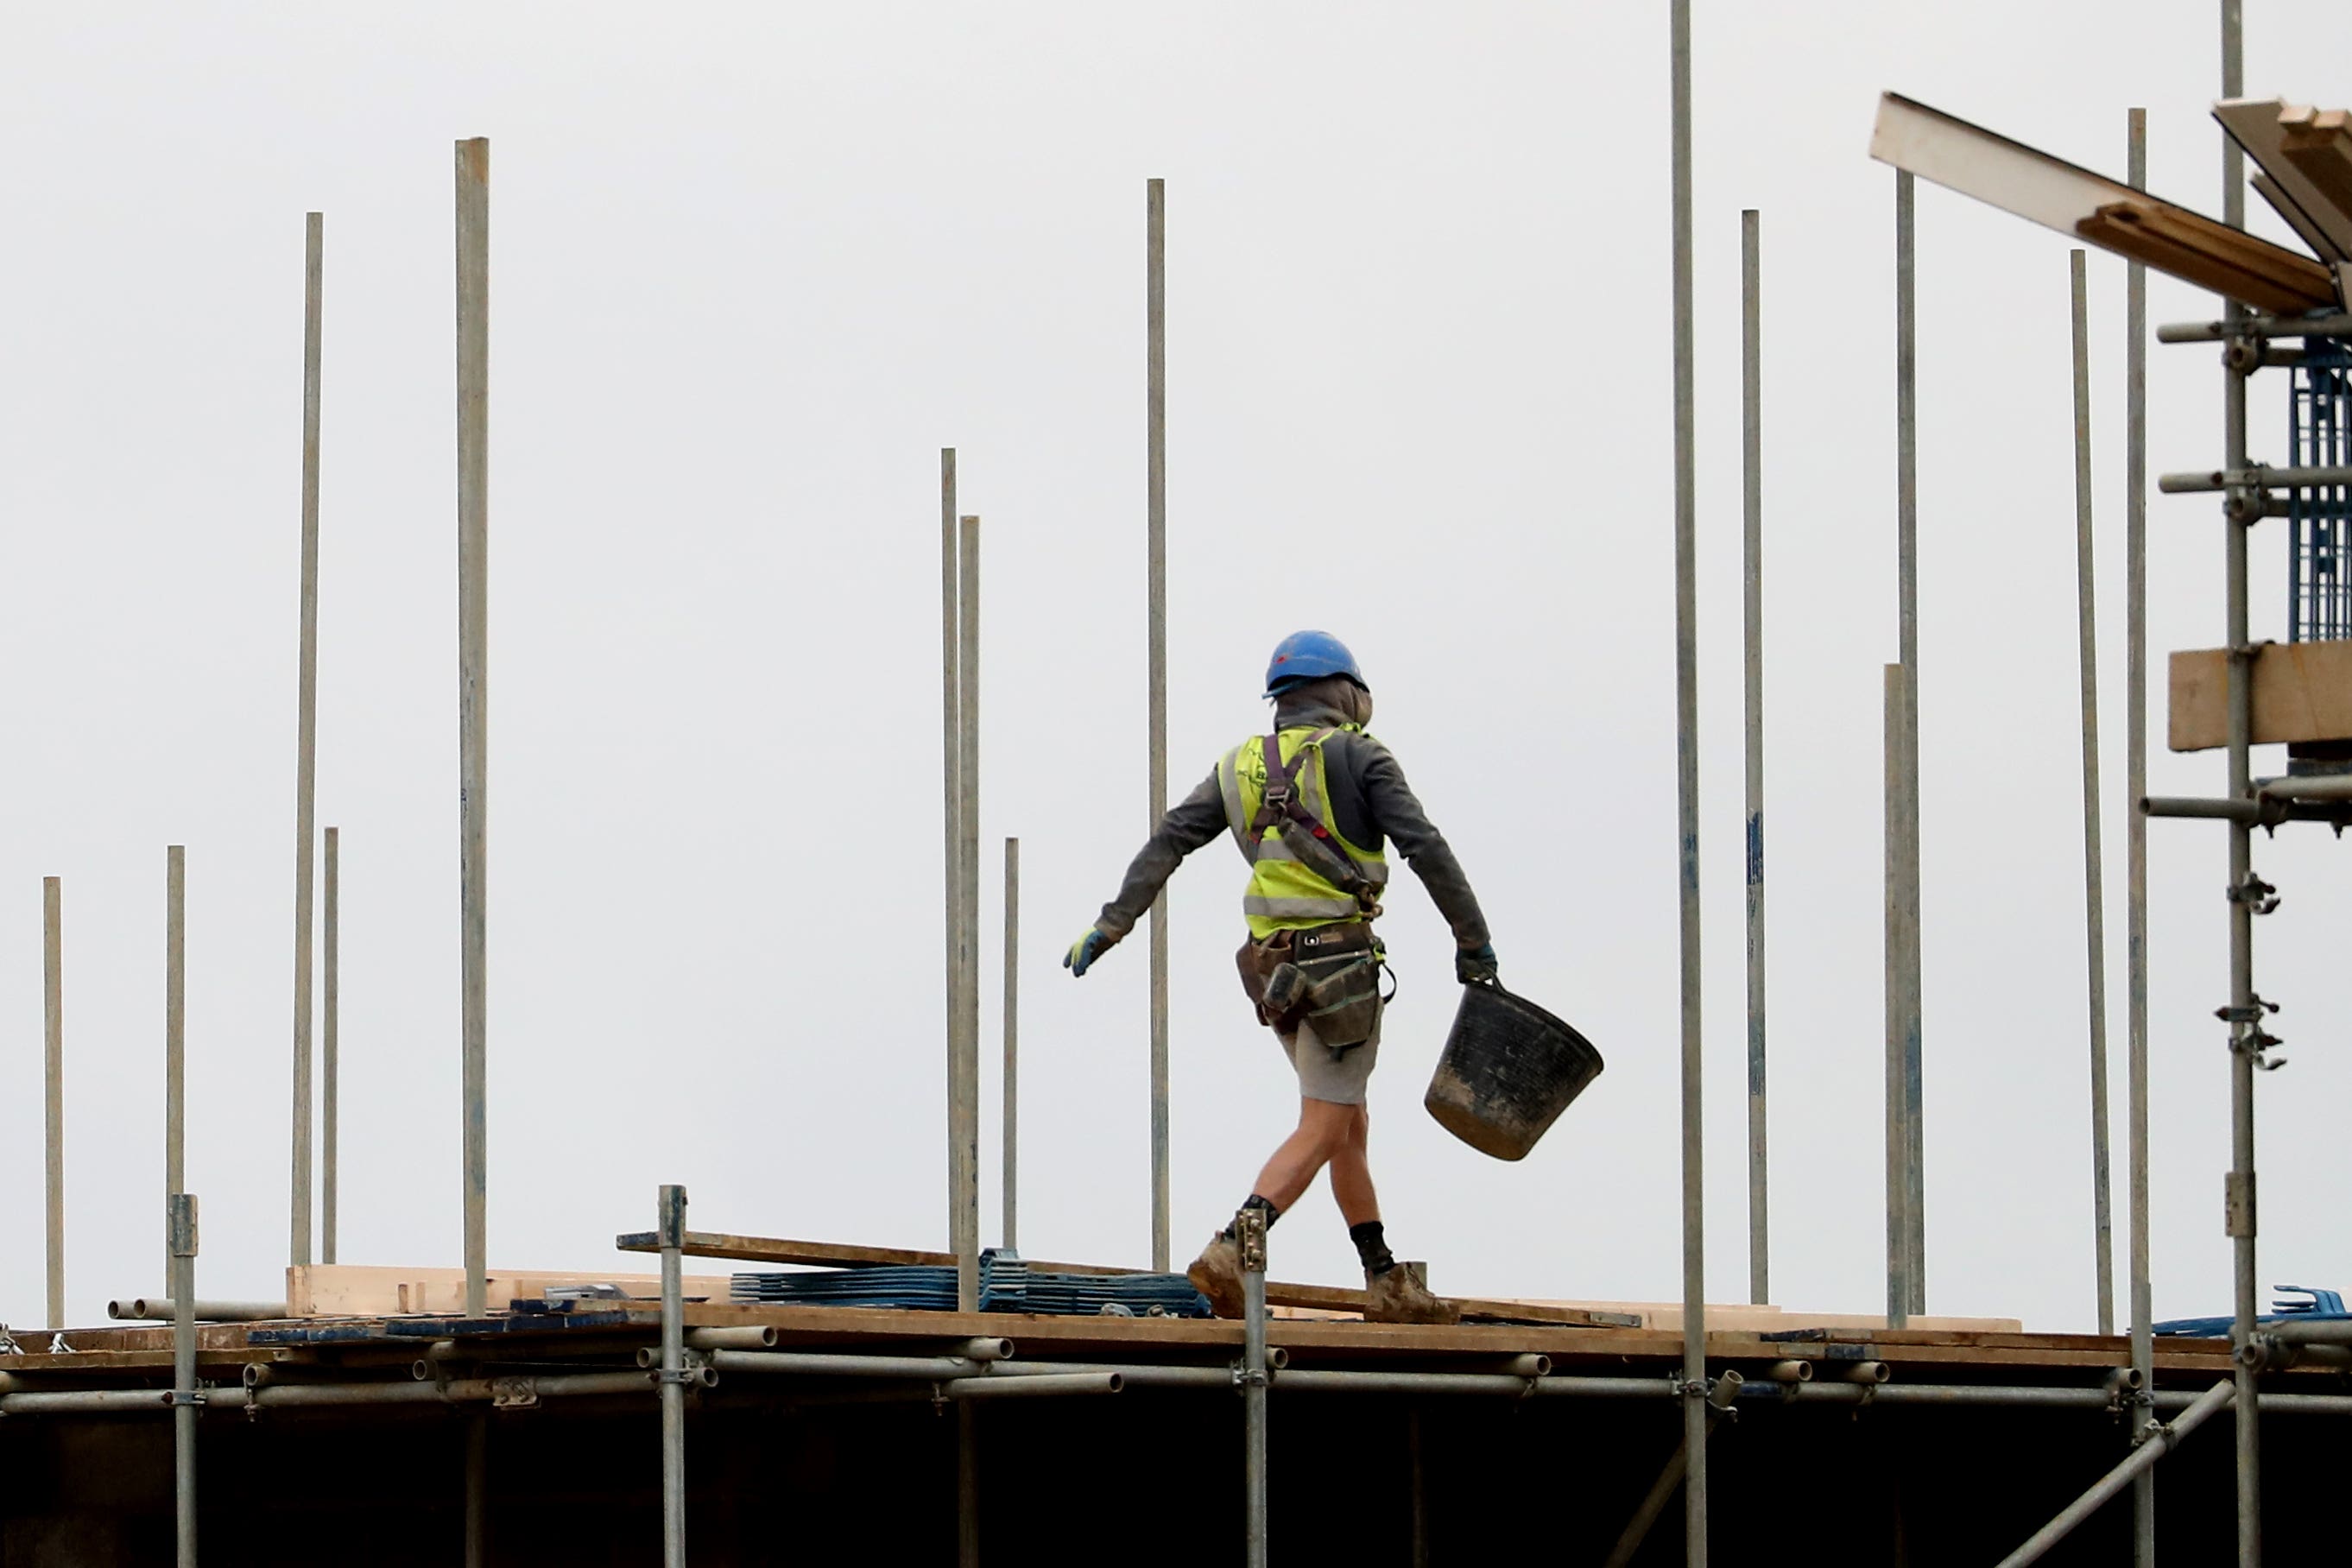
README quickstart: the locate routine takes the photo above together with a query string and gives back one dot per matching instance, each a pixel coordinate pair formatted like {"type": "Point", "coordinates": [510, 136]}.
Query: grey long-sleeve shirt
{"type": "Point", "coordinates": [1370, 802]}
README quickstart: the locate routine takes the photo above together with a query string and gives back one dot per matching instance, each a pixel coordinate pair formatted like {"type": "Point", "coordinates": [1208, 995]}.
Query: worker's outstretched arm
{"type": "Point", "coordinates": [1397, 812]}
{"type": "Point", "coordinates": [1190, 823]}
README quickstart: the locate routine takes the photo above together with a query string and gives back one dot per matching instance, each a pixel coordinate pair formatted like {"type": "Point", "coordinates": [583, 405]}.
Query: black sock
{"type": "Point", "coordinates": [1371, 1247]}
{"type": "Point", "coordinates": [1253, 1202]}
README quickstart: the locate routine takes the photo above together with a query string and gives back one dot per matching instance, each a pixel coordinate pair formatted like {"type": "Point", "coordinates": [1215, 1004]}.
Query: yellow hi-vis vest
{"type": "Point", "coordinates": [1284, 893]}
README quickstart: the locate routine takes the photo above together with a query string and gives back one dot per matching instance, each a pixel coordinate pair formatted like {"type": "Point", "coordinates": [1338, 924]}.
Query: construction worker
{"type": "Point", "coordinates": [1310, 806]}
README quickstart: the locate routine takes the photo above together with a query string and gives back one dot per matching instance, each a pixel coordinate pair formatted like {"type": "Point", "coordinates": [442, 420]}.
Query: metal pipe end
{"type": "Point", "coordinates": [120, 1309]}
{"type": "Point", "coordinates": [985, 1348]}
{"type": "Point", "coordinates": [420, 1371]}
{"type": "Point", "coordinates": [647, 1356]}
{"type": "Point", "coordinates": [1531, 1365]}
{"type": "Point", "coordinates": [2125, 1380]}
{"type": "Point", "coordinates": [1790, 1371]}
{"type": "Point", "coordinates": [706, 1375]}
{"type": "Point", "coordinates": [1118, 1382]}
{"type": "Point", "coordinates": [1866, 1371]}
{"type": "Point", "coordinates": [257, 1375]}
{"type": "Point", "coordinates": [1277, 1358]}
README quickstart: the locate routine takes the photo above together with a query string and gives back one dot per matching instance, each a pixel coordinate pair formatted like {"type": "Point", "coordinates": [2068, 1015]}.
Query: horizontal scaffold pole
{"type": "Point", "coordinates": [2330, 326]}
{"type": "Point", "coordinates": [2261, 476]}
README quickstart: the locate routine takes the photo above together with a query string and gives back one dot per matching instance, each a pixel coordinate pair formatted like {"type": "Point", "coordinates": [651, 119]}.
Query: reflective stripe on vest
{"type": "Point", "coordinates": [1284, 893]}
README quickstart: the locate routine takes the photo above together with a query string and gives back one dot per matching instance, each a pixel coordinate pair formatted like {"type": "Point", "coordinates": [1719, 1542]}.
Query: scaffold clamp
{"type": "Point", "coordinates": [2255, 893]}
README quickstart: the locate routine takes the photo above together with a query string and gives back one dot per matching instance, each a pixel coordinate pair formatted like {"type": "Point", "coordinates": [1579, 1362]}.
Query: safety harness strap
{"type": "Point", "coordinates": [1315, 849]}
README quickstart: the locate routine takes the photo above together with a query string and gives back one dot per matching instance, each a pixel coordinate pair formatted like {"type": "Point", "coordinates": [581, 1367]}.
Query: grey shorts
{"type": "Point", "coordinates": [1340, 1076]}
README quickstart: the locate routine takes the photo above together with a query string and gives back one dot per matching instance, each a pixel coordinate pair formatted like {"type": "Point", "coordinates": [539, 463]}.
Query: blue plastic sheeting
{"type": "Point", "coordinates": [2313, 1306]}
{"type": "Point", "coordinates": [1006, 1285]}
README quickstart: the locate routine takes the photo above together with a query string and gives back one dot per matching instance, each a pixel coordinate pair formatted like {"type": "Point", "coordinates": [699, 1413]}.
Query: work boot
{"type": "Point", "coordinates": [1394, 1296]}
{"type": "Point", "coordinates": [1217, 1274]}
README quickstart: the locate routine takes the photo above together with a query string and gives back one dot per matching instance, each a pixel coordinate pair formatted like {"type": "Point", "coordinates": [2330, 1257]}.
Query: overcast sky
{"type": "Point", "coordinates": [752, 266]}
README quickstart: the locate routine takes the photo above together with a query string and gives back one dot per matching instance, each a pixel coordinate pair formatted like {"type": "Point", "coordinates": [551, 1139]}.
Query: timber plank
{"type": "Point", "coordinates": [849, 1254]}
{"type": "Point", "coordinates": [2056, 1360]}
{"type": "Point", "coordinates": [2302, 691]}
{"type": "Point", "coordinates": [212, 1361]}
{"type": "Point", "coordinates": [2211, 255]}
{"type": "Point", "coordinates": [2032, 185]}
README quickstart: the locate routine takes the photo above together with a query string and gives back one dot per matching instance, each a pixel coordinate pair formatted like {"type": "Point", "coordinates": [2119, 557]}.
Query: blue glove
{"type": "Point", "coordinates": [1086, 950]}
{"type": "Point", "coordinates": [1475, 966]}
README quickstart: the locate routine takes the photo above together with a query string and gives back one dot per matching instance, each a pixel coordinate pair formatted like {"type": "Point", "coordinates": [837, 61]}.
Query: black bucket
{"type": "Point", "coordinates": [1510, 1068]}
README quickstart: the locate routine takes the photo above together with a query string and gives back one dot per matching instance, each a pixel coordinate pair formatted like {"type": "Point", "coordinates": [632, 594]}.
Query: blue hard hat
{"type": "Point", "coordinates": [1309, 655]}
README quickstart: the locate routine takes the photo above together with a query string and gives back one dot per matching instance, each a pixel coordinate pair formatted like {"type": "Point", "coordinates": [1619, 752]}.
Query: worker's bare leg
{"type": "Point", "coordinates": [1325, 1129]}
{"type": "Point", "coordinates": [1351, 1172]}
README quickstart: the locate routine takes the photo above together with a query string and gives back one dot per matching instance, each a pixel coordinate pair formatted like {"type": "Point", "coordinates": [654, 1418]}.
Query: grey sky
{"type": "Point", "coordinates": [751, 267]}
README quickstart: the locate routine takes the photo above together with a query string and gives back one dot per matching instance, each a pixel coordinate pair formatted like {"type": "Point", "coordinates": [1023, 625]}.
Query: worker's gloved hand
{"type": "Point", "coordinates": [1475, 966]}
{"type": "Point", "coordinates": [1086, 950]}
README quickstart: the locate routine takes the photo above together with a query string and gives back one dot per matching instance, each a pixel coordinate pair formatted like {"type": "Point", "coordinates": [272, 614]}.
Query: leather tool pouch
{"type": "Point", "coordinates": [1259, 963]}
{"type": "Point", "coordinates": [1285, 995]}
{"type": "Point", "coordinates": [1341, 966]}
{"type": "Point", "coordinates": [1343, 999]}
{"type": "Point", "coordinates": [1326, 976]}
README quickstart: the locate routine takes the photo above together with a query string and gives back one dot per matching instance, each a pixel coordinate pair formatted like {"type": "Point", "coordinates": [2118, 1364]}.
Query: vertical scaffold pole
{"type": "Point", "coordinates": [180, 1238]}
{"type": "Point", "coordinates": [1010, 1176]}
{"type": "Point", "coordinates": [1898, 1141]}
{"type": "Point", "coordinates": [2136, 843]}
{"type": "Point", "coordinates": [175, 1035]}
{"type": "Point", "coordinates": [1686, 805]}
{"type": "Point", "coordinates": [672, 1202]}
{"type": "Point", "coordinates": [951, 781]}
{"type": "Point", "coordinates": [53, 1089]}
{"type": "Point", "coordinates": [966, 1081]}
{"type": "Point", "coordinates": [1156, 620]}
{"type": "Point", "coordinates": [1249, 1229]}
{"type": "Point", "coordinates": [968, 1258]}
{"type": "Point", "coordinates": [1751, 405]}
{"type": "Point", "coordinates": [1907, 488]}
{"type": "Point", "coordinates": [474, 687]}
{"type": "Point", "coordinates": [959, 589]}
{"type": "Point", "coordinates": [1662, 1491]}
{"type": "Point", "coordinates": [306, 746]}
{"type": "Point", "coordinates": [2239, 1205]}
{"type": "Point", "coordinates": [2094, 902]}
{"type": "Point", "coordinates": [330, 1064]}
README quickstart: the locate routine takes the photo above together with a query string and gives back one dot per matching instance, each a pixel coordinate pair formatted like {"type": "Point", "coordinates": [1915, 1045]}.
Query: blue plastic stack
{"type": "Point", "coordinates": [1006, 1285]}
{"type": "Point", "coordinates": [908, 1287]}
{"type": "Point", "coordinates": [2315, 1306]}
{"type": "Point", "coordinates": [1009, 1285]}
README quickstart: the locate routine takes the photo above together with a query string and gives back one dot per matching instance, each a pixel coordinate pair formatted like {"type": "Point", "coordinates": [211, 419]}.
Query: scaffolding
{"type": "Point", "coordinates": [1702, 1374]}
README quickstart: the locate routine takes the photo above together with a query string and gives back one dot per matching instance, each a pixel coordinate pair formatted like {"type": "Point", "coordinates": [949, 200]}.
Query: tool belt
{"type": "Point", "coordinates": [1324, 976]}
